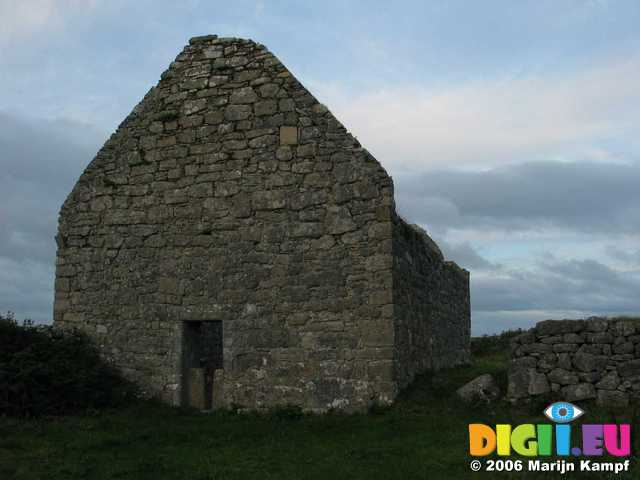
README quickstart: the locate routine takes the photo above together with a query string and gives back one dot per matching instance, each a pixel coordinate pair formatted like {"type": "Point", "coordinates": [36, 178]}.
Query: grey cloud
{"type": "Point", "coordinates": [631, 257]}
{"type": "Point", "coordinates": [589, 197]}
{"type": "Point", "coordinates": [466, 256]}
{"type": "Point", "coordinates": [40, 162]}
{"type": "Point", "coordinates": [580, 285]}
{"type": "Point", "coordinates": [26, 288]}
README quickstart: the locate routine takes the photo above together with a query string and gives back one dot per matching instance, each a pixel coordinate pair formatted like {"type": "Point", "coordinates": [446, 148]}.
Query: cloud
{"type": "Point", "coordinates": [467, 256]}
{"type": "Point", "coordinates": [587, 214]}
{"type": "Point", "coordinates": [505, 296]}
{"type": "Point", "coordinates": [41, 161]}
{"type": "Point", "coordinates": [585, 196]}
{"type": "Point", "coordinates": [558, 285]}
{"type": "Point", "coordinates": [569, 114]}
{"type": "Point", "coordinates": [20, 19]}
{"type": "Point", "coordinates": [630, 257]}
{"type": "Point", "coordinates": [26, 288]}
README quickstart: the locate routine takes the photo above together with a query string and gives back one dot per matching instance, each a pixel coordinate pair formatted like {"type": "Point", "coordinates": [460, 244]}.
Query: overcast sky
{"type": "Point", "coordinates": [511, 129]}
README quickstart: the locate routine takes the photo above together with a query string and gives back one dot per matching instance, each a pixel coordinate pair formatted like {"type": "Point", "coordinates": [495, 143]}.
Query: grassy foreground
{"type": "Point", "coordinates": [424, 436]}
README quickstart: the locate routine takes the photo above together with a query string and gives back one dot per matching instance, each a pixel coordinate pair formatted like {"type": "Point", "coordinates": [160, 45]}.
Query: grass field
{"type": "Point", "coordinates": [423, 436]}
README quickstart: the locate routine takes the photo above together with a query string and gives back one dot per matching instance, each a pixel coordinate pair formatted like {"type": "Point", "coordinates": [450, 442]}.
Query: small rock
{"type": "Point", "coordinates": [563, 377]}
{"type": "Point", "coordinates": [538, 384]}
{"type": "Point", "coordinates": [481, 389]}
{"type": "Point", "coordinates": [625, 347]}
{"type": "Point", "coordinates": [612, 399]}
{"type": "Point", "coordinates": [554, 327]}
{"type": "Point", "coordinates": [243, 95]}
{"type": "Point", "coordinates": [609, 382]}
{"type": "Point", "coordinates": [595, 324]}
{"type": "Point", "coordinates": [629, 369]}
{"type": "Point", "coordinates": [519, 378]}
{"type": "Point", "coordinates": [586, 362]}
{"type": "Point", "coordinates": [580, 391]}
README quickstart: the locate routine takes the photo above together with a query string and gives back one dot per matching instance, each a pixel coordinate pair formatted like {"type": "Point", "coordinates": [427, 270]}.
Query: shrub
{"type": "Point", "coordinates": [488, 344]}
{"type": "Point", "coordinates": [48, 371]}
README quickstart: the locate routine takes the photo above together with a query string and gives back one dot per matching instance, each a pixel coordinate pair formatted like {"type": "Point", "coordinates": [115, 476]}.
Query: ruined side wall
{"type": "Point", "coordinates": [231, 194]}
{"type": "Point", "coordinates": [431, 305]}
{"type": "Point", "coordinates": [576, 360]}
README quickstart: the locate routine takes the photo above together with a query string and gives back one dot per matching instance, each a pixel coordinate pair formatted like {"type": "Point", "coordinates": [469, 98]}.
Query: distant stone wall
{"type": "Point", "coordinates": [576, 360]}
{"type": "Point", "coordinates": [431, 305]}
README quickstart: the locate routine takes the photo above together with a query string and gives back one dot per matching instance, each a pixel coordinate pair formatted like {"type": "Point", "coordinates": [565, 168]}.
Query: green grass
{"type": "Point", "coordinates": [423, 436]}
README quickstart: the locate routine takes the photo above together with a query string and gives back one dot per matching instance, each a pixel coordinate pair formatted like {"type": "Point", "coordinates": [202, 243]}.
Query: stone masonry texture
{"type": "Point", "coordinates": [230, 194]}
{"type": "Point", "coordinates": [575, 360]}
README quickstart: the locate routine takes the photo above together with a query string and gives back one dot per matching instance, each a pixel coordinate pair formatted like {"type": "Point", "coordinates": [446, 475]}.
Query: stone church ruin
{"type": "Point", "coordinates": [232, 244]}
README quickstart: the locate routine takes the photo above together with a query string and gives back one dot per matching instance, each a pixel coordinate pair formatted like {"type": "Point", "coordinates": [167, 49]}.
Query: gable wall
{"type": "Point", "coordinates": [200, 207]}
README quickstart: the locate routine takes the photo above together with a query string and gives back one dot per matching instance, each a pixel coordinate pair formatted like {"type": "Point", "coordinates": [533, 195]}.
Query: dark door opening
{"type": "Point", "coordinates": [201, 358]}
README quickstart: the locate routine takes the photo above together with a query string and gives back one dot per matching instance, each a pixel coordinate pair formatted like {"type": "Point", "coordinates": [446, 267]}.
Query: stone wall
{"type": "Point", "coordinates": [230, 194]}
{"type": "Point", "coordinates": [431, 305]}
{"type": "Point", "coordinates": [576, 360]}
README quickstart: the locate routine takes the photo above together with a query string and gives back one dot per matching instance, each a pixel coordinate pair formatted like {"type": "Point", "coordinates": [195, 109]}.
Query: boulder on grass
{"type": "Point", "coordinates": [482, 389]}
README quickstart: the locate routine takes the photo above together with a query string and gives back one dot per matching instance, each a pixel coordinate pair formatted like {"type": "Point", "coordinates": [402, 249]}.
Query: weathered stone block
{"type": "Point", "coordinates": [538, 384]}
{"type": "Point", "coordinates": [602, 337]}
{"type": "Point", "coordinates": [563, 377]}
{"type": "Point", "coordinates": [243, 95]}
{"type": "Point", "coordinates": [482, 389]}
{"type": "Point", "coordinates": [536, 348]}
{"type": "Point", "coordinates": [609, 382]}
{"type": "Point", "coordinates": [581, 391]}
{"type": "Point", "coordinates": [548, 361]}
{"type": "Point", "coordinates": [612, 399]}
{"type": "Point", "coordinates": [519, 380]}
{"type": "Point", "coordinates": [624, 347]}
{"type": "Point", "coordinates": [288, 135]}
{"type": "Point", "coordinates": [237, 112]}
{"type": "Point", "coordinates": [266, 107]}
{"type": "Point", "coordinates": [573, 338]}
{"type": "Point", "coordinates": [555, 327]}
{"type": "Point", "coordinates": [623, 328]}
{"type": "Point", "coordinates": [629, 369]}
{"type": "Point", "coordinates": [586, 362]}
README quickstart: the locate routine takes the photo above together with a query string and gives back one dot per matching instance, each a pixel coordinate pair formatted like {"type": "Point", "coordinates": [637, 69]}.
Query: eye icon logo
{"type": "Point", "coordinates": [563, 412]}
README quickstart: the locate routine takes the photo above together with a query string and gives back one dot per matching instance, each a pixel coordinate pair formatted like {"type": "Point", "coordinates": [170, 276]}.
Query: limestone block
{"type": "Point", "coordinates": [538, 384]}
{"type": "Point", "coordinates": [554, 327]}
{"type": "Point", "coordinates": [612, 399]}
{"type": "Point", "coordinates": [288, 136]}
{"type": "Point", "coordinates": [563, 377]}
{"type": "Point", "coordinates": [580, 391]}
{"type": "Point", "coordinates": [483, 389]}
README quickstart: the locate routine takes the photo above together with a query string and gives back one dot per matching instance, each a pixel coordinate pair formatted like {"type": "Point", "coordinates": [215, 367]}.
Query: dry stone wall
{"type": "Point", "coordinates": [431, 305]}
{"type": "Point", "coordinates": [575, 360]}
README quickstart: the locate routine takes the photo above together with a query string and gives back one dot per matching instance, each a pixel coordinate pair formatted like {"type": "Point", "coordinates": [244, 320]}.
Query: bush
{"type": "Point", "coordinates": [48, 371]}
{"type": "Point", "coordinates": [488, 344]}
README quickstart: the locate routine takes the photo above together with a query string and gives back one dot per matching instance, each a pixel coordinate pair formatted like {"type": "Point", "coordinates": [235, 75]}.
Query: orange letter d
{"type": "Point", "coordinates": [482, 440]}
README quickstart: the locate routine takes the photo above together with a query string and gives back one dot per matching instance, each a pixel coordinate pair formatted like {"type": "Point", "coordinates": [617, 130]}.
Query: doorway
{"type": "Point", "coordinates": [202, 362]}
